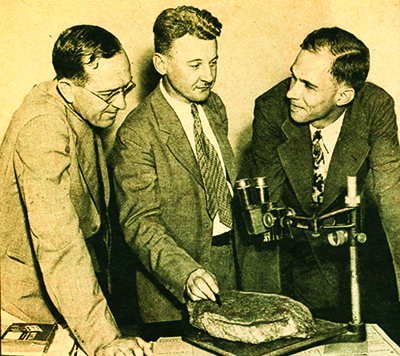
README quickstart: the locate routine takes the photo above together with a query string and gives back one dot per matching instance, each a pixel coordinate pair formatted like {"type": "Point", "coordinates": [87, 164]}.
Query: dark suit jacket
{"type": "Point", "coordinates": [162, 201]}
{"type": "Point", "coordinates": [49, 205]}
{"type": "Point", "coordinates": [368, 142]}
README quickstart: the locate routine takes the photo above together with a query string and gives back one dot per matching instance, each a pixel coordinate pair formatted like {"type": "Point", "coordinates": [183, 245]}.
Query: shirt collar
{"type": "Point", "coordinates": [332, 129]}
{"type": "Point", "coordinates": [177, 105]}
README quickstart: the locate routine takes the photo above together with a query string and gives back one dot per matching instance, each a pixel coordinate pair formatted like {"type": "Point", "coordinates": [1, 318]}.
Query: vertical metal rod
{"type": "Point", "coordinates": [355, 287]}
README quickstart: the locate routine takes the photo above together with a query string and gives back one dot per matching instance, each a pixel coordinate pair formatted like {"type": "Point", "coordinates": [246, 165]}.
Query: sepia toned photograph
{"type": "Point", "coordinates": [205, 177]}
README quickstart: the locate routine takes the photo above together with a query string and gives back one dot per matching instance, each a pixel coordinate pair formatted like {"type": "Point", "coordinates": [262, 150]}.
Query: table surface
{"type": "Point", "coordinates": [377, 343]}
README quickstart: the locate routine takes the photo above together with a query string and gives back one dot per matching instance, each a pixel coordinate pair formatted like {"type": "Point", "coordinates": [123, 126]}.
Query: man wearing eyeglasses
{"type": "Point", "coordinates": [54, 193]}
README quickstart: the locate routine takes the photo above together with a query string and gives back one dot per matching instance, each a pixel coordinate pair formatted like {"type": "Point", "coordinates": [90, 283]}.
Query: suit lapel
{"type": "Point", "coordinates": [223, 143]}
{"type": "Point", "coordinates": [103, 170]}
{"type": "Point", "coordinates": [87, 156]}
{"type": "Point", "coordinates": [296, 158]}
{"type": "Point", "coordinates": [348, 156]}
{"type": "Point", "coordinates": [174, 135]}
{"type": "Point", "coordinates": [86, 152]}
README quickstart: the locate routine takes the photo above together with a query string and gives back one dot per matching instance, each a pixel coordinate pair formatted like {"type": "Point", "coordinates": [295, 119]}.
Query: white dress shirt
{"type": "Point", "coordinates": [330, 135]}
{"type": "Point", "coordinates": [184, 113]}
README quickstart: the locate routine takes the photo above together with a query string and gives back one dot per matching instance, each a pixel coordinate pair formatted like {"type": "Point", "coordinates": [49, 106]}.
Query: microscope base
{"type": "Point", "coordinates": [354, 333]}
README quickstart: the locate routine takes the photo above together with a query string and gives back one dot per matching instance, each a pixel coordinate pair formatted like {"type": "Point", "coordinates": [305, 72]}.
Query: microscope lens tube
{"type": "Point", "coordinates": [261, 187]}
{"type": "Point", "coordinates": [351, 187]}
{"type": "Point", "coordinates": [244, 191]}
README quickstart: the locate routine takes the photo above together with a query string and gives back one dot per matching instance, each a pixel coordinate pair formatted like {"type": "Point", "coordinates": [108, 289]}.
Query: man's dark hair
{"type": "Point", "coordinates": [351, 65]}
{"type": "Point", "coordinates": [175, 23]}
{"type": "Point", "coordinates": [81, 45]}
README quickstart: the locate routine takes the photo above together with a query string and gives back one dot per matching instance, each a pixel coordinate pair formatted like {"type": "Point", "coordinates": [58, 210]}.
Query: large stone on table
{"type": "Point", "coordinates": [252, 317]}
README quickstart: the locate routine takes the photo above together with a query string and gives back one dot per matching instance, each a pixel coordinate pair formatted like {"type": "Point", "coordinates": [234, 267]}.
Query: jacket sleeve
{"type": "Point", "coordinates": [267, 137]}
{"type": "Point", "coordinates": [42, 159]}
{"type": "Point", "coordinates": [140, 208]}
{"type": "Point", "coordinates": [384, 160]}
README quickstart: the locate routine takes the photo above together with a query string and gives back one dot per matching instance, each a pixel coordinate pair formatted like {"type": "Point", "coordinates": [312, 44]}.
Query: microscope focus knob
{"type": "Point", "coordinates": [361, 237]}
{"type": "Point", "coordinates": [338, 238]}
{"type": "Point", "coordinates": [268, 220]}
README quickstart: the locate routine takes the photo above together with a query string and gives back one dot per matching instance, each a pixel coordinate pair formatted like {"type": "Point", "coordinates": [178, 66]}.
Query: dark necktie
{"type": "Point", "coordinates": [217, 191]}
{"type": "Point", "coordinates": [319, 165]}
{"type": "Point", "coordinates": [101, 241]}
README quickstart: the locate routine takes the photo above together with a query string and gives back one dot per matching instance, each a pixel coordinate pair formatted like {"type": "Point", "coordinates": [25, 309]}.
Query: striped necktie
{"type": "Point", "coordinates": [216, 187]}
{"type": "Point", "coordinates": [319, 168]}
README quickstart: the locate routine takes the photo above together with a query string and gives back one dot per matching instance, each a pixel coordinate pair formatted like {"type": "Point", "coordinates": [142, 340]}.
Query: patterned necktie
{"type": "Point", "coordinates": [217, 191]}
{"type": "Point", "coordinates": [319, 168]}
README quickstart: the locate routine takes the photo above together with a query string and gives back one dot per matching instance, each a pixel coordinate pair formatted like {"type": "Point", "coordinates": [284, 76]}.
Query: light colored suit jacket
{"type": "Point", "coordinates": [162, 202]}
{"type": "Point", "coordinates": [49, 205]}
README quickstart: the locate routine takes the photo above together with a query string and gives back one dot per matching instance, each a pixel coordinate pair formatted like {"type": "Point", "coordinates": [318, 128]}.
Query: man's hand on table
{"type": "Point", "coordinates": [201, 285]}
{"type": "Point", "coordinates": [126, 347]}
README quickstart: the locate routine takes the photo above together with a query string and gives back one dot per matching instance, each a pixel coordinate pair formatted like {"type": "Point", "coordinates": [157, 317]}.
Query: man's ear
{"type": "Point", "coordinates": [160, 63]}
{"type": "Point", "coordinates": [346, 95]}
{"type": "Point", "coordinates": [66, 89]}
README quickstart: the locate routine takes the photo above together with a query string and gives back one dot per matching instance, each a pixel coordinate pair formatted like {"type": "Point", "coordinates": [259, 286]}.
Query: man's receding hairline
{"type": "Point", "coordinates": [330, 50]}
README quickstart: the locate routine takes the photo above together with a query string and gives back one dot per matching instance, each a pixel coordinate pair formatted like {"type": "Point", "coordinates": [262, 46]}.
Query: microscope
{"type": "Point", "coordinates": [264, 218]}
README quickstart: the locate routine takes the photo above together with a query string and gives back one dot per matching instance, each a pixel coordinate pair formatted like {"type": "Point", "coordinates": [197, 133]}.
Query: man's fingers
{"type": "Point", "coordinates": [194, 292]}
{"type": "Point", "coordinates": [202, 289]}
{"type": "Point", "coordinates": [202, 285]}
{"type": "Point", "coordinates": [126, 347]}
{"type": "Point", "coordinates": [211, 282]}
{"type": "Point", "coordinates": [145, 346]}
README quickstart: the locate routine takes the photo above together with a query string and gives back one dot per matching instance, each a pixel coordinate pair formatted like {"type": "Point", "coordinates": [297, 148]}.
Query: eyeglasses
{"type": "Point", "coordinates": [110, 97]}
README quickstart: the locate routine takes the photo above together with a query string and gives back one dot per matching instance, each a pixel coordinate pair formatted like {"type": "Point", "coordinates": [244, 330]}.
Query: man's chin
{"type": "Point", "coordinates": [299, 119]}
{"type": "Point", "coordinates": [203, 96]}
{"type": "Point", "coordinates": [296, 115]}
{"type": "Point", "coordinates": [106, 122]}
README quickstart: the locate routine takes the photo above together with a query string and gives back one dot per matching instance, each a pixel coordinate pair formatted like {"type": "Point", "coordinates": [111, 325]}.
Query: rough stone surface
{"type": "Point", "coordinates": [252, 317]}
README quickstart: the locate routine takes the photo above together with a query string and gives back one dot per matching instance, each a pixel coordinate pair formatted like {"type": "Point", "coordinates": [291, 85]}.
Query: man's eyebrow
{"type": "Point", "coordinates": [113, 90]}
{"type": "Point", "coordinates": [108, 90]}
{"type": "Point", "coordinates": [194, 60]}
{"type": "Point", "coordinates": [306, 82]}
{"type": "Point", "coordinates": [200, 60]}
{"type": "Point", "coordinates": [309, 84]}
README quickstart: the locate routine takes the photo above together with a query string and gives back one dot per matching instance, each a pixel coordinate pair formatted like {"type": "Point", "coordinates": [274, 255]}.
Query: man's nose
{"type": "Point", "coordinates": [294, 91]}
{"type": "Point", "coordinates": [207, 74]}
{"type": "Point", "coordinates": [119, 101]}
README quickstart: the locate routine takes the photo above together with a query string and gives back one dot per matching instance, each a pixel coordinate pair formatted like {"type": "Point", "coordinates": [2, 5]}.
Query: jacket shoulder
{"type": "Point", "coordinates": [214, 100]}
{"type": "Point", "coordinates": [372, 103]}
{"type": "Point", "coordinates": [273, 105]}
{"type": "Point", "coordinates": [276, 94]}
{"type": "Point", "coordinates": [372, 93]}
{"type": "Point", "coordinates": [39, 115]}
{"type": "Point", "coordinates": [40, 101]}
{"type": "Point", "coordinates": [138, 118]}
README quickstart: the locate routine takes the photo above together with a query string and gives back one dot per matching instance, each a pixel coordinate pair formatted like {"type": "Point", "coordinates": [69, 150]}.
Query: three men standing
{"type": "Point", "coordinates": [173, 171]}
